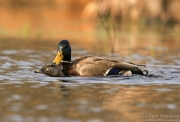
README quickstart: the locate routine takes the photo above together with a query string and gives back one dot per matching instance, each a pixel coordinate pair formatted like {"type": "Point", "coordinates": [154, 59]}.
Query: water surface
{"type": "Point", "coordinates": [29, 97]}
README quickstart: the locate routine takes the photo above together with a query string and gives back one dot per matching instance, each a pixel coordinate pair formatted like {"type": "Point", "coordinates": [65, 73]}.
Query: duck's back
{"type": "Point", "coordinates": [95, 66]}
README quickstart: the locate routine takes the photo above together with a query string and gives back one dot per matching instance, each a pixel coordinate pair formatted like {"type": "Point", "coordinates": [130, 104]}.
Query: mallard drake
{"type": "Point", "coordinates": [90, 65]}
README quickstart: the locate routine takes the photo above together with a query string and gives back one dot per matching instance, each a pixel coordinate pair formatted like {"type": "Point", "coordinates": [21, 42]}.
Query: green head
{"type": "Point", "coordinates": [63, 52]}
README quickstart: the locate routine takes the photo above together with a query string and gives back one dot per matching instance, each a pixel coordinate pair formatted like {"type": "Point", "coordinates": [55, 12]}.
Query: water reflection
{"type": "Point", "coordinates": [57, 101]}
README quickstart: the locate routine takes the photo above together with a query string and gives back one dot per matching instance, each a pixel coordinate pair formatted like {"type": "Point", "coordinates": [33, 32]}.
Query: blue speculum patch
{"type": "Point", "coordinates": [113, 71]}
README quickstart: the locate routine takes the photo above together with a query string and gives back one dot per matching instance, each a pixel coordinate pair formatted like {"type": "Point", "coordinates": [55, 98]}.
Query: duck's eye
{"type": "Point", "coordinates": [65, 46]}
{"type": "Point", "coordinates": [46, 72]}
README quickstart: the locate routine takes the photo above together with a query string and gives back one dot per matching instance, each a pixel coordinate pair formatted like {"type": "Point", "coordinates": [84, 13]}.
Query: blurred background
{"type": "Point", "coordinates": [138, 31]}
{"type": "Point", "coordinates": [104, 25]}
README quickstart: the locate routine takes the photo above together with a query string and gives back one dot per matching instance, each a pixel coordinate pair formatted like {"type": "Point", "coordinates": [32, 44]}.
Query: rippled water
{"type": "Point", "coordinates": [29, 97]}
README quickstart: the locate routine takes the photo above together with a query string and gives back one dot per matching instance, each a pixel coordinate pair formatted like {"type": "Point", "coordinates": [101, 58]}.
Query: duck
{"type": "Point", "coordinates": [88, 66]}
{"type": "Point", "coordinates": [51, 70]}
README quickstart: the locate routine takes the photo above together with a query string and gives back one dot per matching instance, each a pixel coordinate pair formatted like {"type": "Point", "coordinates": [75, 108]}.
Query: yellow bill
{"type": "Point", "coordinates": [58, 58]}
